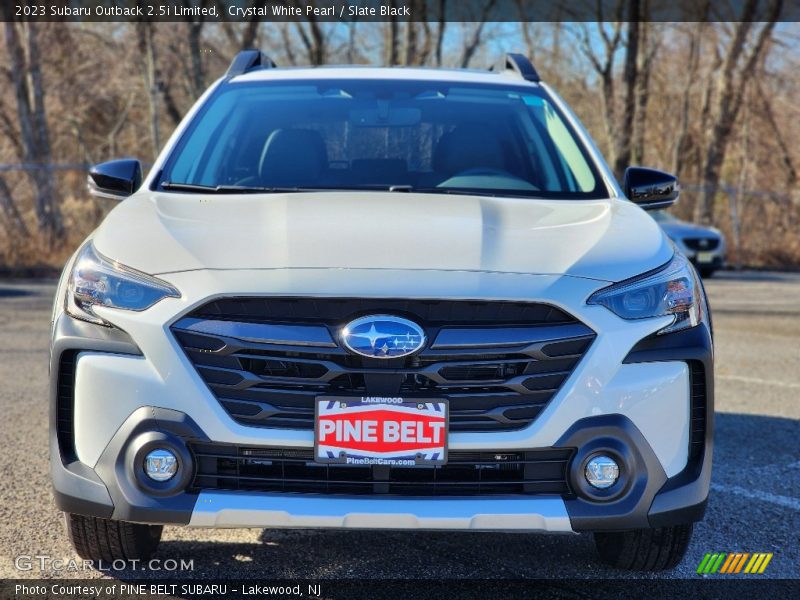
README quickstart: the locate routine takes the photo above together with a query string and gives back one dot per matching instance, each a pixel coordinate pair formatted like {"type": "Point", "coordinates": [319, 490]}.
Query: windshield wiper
{"type": "Point", "coordinates": [227, 189]}
{"type": "Point", "coordinates": [492, 193]}
{"type": "Point", "coordinates": [439, 190]}
{"type": "Point", "coordinates": [245, 189]}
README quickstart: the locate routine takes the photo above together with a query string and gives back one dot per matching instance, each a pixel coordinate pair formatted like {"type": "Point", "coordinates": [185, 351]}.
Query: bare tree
{"type": "Point", "coordinates": [649, 44]}
{"type": "Point", "coordinates": [418, 42]}
{"type": "Point", "coordinates": [314, 38]}
{"type": "Point", "coordinates": [288, 45]}
{"type": "Point", "coordinates": [197, 75]}
{"type": "Point", "coordinates": [474, 41]}
{"type": "Point", "coordinates": [410, 44]}
{"type": "Point", "coordinates": [391, 40]}
{"type": "Point", "coordinates": [240, 36]}
{"type": "Point", "coordinates": [118, 124]}
{"type": "Point", "coordinates": [525, 27]}
{"type": "Point", "coordinates": [740, 60]}
{"type": "Point", "coordinates": [630, 78]}
{"type": "Point", "coordinates": [624, 124]}
{"type": "Point", "coordinates": [352, 29]}
{"type": "Point", "coordinates": [768, 113]}
{"type": "Point", "coordinates": [603, 65]}
{"type": "Point", "coordinates": [7, 126]}
{"type": "Point", "coordinates": [681, 148]}
{"type": "Point", "coordinates": [250, 34]}
{"type": "Point", "coordinates": [440, 28]}
{"type": "Point", "coordinates": [15, 225]}
{"type": "Point", "coordinates": [147, 51]}
{"type": "Point", "coordinates": [28, 85]}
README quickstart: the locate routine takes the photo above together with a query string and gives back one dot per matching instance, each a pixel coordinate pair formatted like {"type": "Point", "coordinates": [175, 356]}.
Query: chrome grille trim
{"type": "Point", "coordinates": [261, 333]}
{"type": "Point", "coordinates": [532, 338]}
{"type": "Point", "coordinates": [496, 375]}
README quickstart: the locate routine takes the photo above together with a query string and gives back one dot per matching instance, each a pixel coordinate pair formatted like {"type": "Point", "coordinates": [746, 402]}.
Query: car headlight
{"type": "Point", "coordinates": [672, 290]}
{"type": "Point", "coordinates": [98, 281]}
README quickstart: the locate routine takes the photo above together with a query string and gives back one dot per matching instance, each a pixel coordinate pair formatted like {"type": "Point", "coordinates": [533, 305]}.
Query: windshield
{"type": "Point", "coordinates": [381, 134]}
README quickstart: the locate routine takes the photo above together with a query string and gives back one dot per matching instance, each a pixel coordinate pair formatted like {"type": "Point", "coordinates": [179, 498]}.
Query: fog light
{"type": "Point", "coordinates": [602, 472]}
{"type": "Point", "coordinates": [160, 465]}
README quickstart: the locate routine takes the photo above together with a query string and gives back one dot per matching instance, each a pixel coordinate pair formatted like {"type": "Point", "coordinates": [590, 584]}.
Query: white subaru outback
{"type": "Point", "coordinates": [381, 298]}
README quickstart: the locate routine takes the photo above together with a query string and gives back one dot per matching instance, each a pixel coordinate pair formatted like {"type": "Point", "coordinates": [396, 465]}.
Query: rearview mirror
{"type": "Point", "coordinates": [115, 179]}
{"type": "Point", "coordinates": [385, 116]}
{"type": "Point", "coordinates": [649, 188]}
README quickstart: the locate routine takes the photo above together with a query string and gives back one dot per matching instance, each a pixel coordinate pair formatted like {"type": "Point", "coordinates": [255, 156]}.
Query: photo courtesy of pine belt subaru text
{"type": "Point", "coordinates": [381, 298]}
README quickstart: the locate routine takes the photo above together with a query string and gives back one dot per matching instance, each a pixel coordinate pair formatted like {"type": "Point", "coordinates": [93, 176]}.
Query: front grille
{"type": "Point", "coordinates": [228, 467]}
{"type": "Point", "coordinates": [267, 359]}
{"type": "Point", "coordinates": [702, 243]}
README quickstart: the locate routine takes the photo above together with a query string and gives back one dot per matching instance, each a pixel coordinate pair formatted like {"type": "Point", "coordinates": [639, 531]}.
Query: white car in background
{"type": "Point", "coordinates": [704, 246]}
{"type": "Point", "coordinates": [381, 298]}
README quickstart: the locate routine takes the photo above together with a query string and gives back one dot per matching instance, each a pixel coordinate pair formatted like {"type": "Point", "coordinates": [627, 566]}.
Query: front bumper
{"type": "Point", "coordinates": [619, 397]}
{"type": "Point", "coordinates": [234, 509]}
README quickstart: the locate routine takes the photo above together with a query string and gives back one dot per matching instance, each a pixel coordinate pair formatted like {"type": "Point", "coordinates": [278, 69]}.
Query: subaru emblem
{"type": "Point", "coordinates": [383, 336]}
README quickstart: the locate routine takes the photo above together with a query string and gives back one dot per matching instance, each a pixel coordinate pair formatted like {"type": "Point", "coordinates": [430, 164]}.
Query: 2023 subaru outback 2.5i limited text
{"type": "Point", "coordinates": [381, 298]}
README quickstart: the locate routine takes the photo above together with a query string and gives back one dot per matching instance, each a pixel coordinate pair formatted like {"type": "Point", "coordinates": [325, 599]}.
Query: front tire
{"type": "Point", "coordinates": [105, 540]}
{"type": "Point", "coordinates": [644, 549]}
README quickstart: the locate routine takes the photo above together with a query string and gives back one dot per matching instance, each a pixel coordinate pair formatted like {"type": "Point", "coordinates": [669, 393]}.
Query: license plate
{"type": "Point", "coordinates": [705, 257]}
{"type": "Point", "coordinates": [371, 430]}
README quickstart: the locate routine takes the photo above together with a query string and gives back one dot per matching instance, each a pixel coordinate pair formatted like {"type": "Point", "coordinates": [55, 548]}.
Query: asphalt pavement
{"type": "Point", "coordinates": [754, 505]}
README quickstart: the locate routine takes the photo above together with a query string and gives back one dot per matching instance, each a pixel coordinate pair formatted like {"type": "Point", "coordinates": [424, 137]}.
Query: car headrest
{"type": "Point", "coordinates": [468, 147]}
{"type": "Point", "coordinates": [292, 157]}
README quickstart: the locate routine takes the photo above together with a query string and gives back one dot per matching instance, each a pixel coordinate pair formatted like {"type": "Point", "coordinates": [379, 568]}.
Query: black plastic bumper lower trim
{"type": "Point", "coordinates": [625, 505]}
{"type": "Point", "coordinates": [134, 498]}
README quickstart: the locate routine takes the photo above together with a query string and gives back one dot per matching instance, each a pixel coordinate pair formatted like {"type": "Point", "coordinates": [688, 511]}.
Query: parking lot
{"type": "Point", "coordinates": [754, 507]}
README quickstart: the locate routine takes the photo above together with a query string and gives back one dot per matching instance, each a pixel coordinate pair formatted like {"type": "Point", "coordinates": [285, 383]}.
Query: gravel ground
{"type": "Point", "coordinates": [755, 504]}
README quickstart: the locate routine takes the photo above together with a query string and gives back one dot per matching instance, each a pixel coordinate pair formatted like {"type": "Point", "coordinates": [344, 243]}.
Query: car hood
{"type": "Point", "coordinates": [162, 233]}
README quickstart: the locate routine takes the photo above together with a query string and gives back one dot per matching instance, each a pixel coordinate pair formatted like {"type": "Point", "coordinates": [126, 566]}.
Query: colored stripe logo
{"type": "Point", "coordinates": [734, 562]}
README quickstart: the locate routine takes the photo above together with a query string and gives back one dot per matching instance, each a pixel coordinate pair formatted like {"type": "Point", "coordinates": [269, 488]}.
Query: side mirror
{"type": "Point", "coordinates": [115, 179]}
{"type": "Point", "coordinates": [650, 189]}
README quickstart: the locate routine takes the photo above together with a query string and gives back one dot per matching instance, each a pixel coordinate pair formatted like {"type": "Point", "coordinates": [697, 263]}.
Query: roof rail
{"type": "Point", "coordinates": [249, 60]}
{"type": "Point", "coordinates": [519, 65]}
